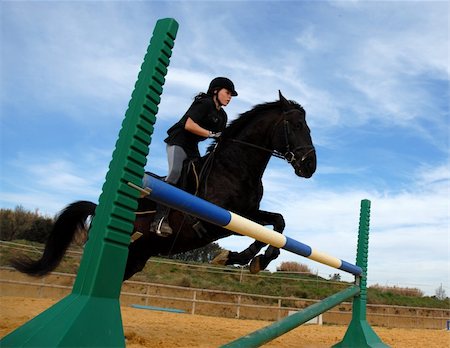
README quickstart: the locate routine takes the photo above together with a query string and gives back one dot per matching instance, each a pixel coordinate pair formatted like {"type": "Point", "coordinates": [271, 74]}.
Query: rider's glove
{"type": "Point", "coordinates": [214, 135]}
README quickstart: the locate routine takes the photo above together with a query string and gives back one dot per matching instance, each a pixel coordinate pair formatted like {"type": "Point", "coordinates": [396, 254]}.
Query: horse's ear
{"type": "Point", "coordinates": [283, 101]}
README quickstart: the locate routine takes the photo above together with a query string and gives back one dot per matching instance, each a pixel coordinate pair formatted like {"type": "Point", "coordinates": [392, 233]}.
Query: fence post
{"type": "Point", "coordinates": [41, 287]}
{"type": "Point", "coordinates": [238, 307]}
{"type": "Point", "coordinates": [147, 292]}
{"type": "Point", "coordinates": [194, 300]}
{"type": "Point", "coordinates": [279, 309]}
{"type": "Point", "coordinates": [359, 333]}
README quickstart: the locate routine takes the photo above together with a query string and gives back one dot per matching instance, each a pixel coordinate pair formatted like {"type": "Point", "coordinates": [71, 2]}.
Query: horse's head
{"type": "Point", "coordinates": [292, 138]}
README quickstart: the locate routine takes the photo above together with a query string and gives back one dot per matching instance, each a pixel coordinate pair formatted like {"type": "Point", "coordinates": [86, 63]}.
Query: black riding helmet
{"type": "Point", "coordinates": [222, 82]}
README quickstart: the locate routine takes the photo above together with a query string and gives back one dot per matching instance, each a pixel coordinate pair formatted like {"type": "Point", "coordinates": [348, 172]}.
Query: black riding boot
{"type": "Point", "coordinates": [160, 224]}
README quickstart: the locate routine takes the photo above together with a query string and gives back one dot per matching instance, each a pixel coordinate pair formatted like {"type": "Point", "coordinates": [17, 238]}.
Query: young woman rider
{"type": "Point", "coordinates": [204, 119]}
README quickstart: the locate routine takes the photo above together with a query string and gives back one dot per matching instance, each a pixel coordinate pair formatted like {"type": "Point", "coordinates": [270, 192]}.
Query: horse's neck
{"type": "Point", "coordinates": [245, 159]}
{"type": "Point", "coordinates": [251, 162]}
{"type": "Point", "coordinates": [255, 141]}
{"type": "Point", "coordinates": [235, 180]}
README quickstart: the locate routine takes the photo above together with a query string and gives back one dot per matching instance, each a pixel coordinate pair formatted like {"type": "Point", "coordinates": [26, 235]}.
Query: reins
{"type": "Point", "coordinates": [289, 155]}
{"type": "Point", "coordinates": [206, 170]}
{"type": "Point", "coordinates": [274, 153]}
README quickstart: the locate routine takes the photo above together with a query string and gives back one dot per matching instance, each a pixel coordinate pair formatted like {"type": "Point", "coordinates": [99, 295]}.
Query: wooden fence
{"type": "Point", "coordinates": [222, 303]}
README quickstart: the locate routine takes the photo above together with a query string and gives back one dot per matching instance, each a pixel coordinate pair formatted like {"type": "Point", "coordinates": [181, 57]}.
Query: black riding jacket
{"type": "Point", "coordinates": [203, 111]}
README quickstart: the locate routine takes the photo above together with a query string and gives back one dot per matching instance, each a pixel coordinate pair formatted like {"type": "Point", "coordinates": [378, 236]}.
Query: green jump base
{"type": "Point", "coordinates": [64, 325]}
{"type": "Point", "coordinates": [269, 333]}
{"type": "Point", "coordinates": [360, 335]}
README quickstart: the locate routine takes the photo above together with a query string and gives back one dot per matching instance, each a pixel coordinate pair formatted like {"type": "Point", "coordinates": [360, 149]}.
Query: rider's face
{"type": "Point", "coordinates": [224, 96]}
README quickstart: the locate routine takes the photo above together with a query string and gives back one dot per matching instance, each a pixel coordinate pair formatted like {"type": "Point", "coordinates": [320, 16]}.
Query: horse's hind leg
{"type": "Point", "coordinates": [139, 252]}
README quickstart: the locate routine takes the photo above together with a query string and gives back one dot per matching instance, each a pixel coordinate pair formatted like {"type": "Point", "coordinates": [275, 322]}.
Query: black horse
{"type": "Point", "coordinates": [231, 177]}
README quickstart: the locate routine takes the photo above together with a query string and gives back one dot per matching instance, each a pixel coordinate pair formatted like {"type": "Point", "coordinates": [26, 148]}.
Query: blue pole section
{"type": "Point", "coordinates": [173, 197]}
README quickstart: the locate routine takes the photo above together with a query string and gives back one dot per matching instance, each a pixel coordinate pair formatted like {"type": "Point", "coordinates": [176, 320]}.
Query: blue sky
{"type": "Point", "coordinates": [373, 77]}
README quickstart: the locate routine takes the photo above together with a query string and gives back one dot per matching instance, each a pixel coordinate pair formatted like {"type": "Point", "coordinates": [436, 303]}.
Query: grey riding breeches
{"type": "Point", "coordinates": [175, 156]}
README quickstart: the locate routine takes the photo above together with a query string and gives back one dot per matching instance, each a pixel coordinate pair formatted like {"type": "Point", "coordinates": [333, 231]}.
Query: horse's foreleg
{"type": "Point", "coordinates": [227, 257]}
{"type": "Point", "coordinates": [247, 255]}
{"type": "Point", "coordinates": [261, 262]}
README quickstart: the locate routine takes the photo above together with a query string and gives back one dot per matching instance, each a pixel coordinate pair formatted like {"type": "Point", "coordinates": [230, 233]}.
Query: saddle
{"type": "Point", "coordinates": [194, 174]}
{"type": "Point", "coordinates": [190, 176]}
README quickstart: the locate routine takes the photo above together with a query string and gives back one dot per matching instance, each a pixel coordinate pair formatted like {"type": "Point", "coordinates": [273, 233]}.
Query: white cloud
{"type": "Point", "coordinates": [53, 182]}
{"type": "Point", "coordinates": [392, 67]}
{"type": "Point", "coordinates": [308, 39]}
{"type": "Point", "coordinates": [434, 175]}
{"type": "Point", "coordinates": [188, 79]}
{"type": "Point", "coordinates": [73, 56]}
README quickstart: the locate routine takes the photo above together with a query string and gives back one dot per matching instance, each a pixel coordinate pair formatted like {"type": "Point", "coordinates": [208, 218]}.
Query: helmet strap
{"type": "Point", "coordinates": [216, 98]}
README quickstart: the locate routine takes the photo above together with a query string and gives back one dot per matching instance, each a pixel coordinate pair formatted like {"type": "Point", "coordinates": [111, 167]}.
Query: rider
{"type": "Point", "coordinates": [204, 119]}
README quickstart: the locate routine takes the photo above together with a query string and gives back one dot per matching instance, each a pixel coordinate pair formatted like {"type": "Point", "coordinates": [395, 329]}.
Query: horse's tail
{"type": "Point", "coordinates": [70, 221]}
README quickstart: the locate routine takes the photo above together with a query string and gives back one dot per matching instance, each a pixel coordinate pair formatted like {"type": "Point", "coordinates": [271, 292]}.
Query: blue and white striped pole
{"type": "Point", "coordinates": [173, 197]}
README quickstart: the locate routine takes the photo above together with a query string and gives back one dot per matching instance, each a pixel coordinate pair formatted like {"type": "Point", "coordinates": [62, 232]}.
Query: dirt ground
{"type": "Point", "coordinates": [148, 328]}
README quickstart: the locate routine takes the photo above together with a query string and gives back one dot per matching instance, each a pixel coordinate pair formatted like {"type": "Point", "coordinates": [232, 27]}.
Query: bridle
{"type": "Point", "coordinates": [289, 154]}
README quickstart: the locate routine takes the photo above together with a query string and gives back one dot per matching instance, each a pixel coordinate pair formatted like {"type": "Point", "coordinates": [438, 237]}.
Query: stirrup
{"type": "Point", "coordinates": [161, 228]}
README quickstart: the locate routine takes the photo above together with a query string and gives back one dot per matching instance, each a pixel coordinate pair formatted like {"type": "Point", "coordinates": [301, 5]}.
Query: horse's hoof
{"type": "Point", "coordinates": [255, 265]}
{"type": "Point", "coordinates": [221, 258]}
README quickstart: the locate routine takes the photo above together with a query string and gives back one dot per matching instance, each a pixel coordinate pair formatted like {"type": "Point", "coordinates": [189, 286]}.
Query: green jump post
{"type": "Point", "coordinates": [359, 333]}
{"type": "Point", "coordinates": [90, 316]}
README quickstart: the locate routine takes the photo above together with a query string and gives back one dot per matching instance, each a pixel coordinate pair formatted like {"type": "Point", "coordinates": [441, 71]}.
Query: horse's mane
{"type": "Point", "coordinates": [244, 119]}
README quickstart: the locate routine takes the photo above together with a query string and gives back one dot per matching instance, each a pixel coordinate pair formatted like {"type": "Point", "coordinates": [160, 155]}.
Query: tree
{"type": "Point", "coordinates": [15, 222]}
{"type": "Point", "coordinates": [39, 230]}
{"type": "Point", "coordinates": [440, 293]}
{"type": "Point", "coordinates": [336, 277]}
{"type": "Point", "coordinates": [7, 229]}
{"type": "Point", "coordinates": [22, 224]}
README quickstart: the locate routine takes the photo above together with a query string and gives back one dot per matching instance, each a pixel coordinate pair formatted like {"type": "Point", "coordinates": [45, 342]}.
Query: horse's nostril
{"type": "Point", "coordinates": [309, 165]}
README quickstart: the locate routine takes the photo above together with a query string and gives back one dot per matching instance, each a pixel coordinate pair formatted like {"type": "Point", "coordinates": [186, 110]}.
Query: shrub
{"type": "Point", "coordinates": [396, 290]}
{"type": "Point", "coordinates": [290, 266]}
{"type": "Point", "coordinates": [186, 282]}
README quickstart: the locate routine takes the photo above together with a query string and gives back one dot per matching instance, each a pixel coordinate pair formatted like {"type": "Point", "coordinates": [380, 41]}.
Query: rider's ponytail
{"type": "Point", "coordinates": [201, 96]}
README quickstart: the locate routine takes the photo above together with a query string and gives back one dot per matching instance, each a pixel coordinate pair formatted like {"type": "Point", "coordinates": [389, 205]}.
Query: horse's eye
{"type": "Point", "coordinates": [298, 125]}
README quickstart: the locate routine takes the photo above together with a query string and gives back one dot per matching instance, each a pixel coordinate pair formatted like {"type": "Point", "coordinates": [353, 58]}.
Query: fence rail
{"type": "Point", "coordinates": [222, 303]}
{"type": "Point", "coordinates": [242, 271]}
